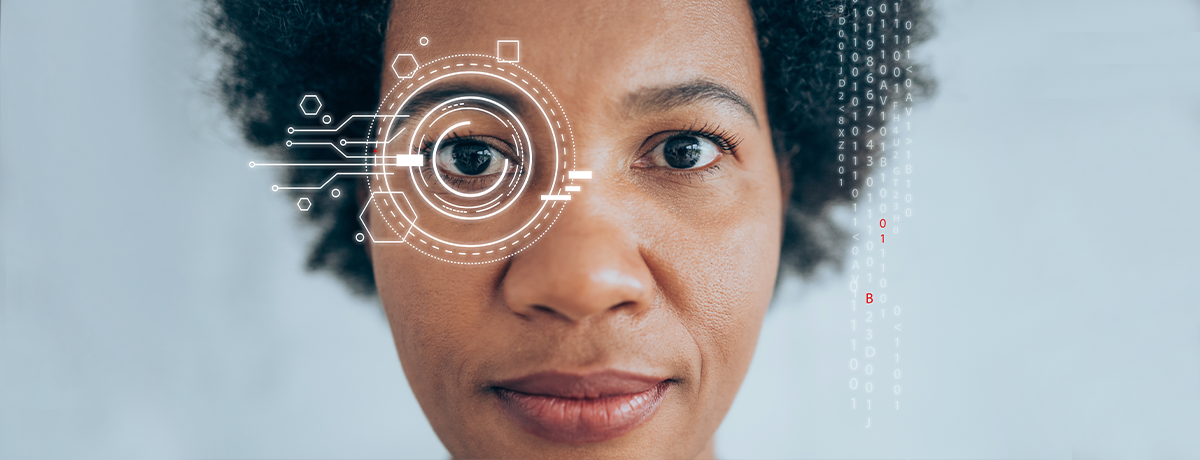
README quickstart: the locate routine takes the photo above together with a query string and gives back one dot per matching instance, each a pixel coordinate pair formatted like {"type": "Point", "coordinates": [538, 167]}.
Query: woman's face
{"type": "Point", "coordinates": [627, 329]}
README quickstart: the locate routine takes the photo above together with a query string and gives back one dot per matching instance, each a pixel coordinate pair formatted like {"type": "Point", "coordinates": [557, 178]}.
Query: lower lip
{"type": "Point", "coordinates": [580, 421]}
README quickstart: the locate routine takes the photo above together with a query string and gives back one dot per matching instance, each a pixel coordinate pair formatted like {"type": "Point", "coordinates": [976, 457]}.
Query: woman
{"type": "Point", "coordinates": [626, 330]}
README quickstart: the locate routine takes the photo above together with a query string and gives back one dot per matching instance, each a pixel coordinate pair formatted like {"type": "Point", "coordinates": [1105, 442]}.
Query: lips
{"type": "Point", "coordinates": [579, 409]}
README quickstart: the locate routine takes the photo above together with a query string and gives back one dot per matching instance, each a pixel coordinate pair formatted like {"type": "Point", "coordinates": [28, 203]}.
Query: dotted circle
{"type": "Point", "coordinates": [551, 113]}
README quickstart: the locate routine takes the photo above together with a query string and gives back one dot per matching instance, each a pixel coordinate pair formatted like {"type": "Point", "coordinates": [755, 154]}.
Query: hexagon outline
{"type": "Point", "coordinates": [411, 221]}
{"type": "Point", "coordinates": [305, 98]}
{"type": "Point", "coordinates": [409, 57]}
{"type": "Point", "coordinates": [304, 204]}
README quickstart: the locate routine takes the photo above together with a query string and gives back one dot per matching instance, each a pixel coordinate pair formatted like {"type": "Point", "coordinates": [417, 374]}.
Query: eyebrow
{"type": "Point", "coordinates": [662, 99]}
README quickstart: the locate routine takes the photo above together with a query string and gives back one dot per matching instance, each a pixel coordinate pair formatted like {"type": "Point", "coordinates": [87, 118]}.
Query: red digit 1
{"type": "Point", "coordinates": [870, 298]}
{"type": "Point", "coordinates": [881, 238]}
{"type": "Point", "coordinates": [882, 223]}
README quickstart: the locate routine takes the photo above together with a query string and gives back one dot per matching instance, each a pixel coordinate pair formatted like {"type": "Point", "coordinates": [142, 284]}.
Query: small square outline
{"type": "Point", "coordinates": [500, 57]}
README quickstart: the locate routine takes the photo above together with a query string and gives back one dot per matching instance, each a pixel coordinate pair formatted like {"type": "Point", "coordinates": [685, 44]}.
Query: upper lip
{"type": "Point", "coordinates": [581, 386]}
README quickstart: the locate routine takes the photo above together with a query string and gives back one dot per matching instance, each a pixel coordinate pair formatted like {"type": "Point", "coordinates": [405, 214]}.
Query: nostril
{"type": "Point", "coordinates": [624, 305]}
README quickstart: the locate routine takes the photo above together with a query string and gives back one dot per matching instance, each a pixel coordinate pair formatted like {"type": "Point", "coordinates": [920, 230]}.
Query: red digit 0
{"type": "Point", "coordinates": [882, 223]}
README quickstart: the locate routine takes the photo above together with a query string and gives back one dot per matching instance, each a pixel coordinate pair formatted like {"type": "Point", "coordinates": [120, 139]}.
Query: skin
{"type": "Point", "coordinates": [650, 271]}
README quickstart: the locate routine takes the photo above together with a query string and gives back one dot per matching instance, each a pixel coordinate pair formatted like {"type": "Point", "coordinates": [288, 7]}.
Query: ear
{"type": "Point", "coordinates": [786, 177]}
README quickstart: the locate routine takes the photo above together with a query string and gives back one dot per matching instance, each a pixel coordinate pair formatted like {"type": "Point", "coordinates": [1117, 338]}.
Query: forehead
{"type": "Point", "coordinates": [592, 49]}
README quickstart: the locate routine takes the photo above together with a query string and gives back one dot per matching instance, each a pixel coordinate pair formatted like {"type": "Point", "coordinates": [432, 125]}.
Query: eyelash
{"type": "Point", "coordinates": [427, 147]}
{"type": "Point", "coordinates": [726, 140]}
{"type": "Point", "coordinates": [453, 181]}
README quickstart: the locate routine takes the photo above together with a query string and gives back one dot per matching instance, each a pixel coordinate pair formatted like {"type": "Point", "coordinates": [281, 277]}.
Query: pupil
{"type": "Point", "coordinates": [472, 158]}
{"type": "Point", "coordinates": [682, 152]}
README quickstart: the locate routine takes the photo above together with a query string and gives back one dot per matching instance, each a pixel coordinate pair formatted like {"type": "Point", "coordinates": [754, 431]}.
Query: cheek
{"type": "Point", "coordinates": [723, 284]}
{"type": "Point", "coordinates": [424, 302]}
{"type": "Point", "coordinates": [717, 270]}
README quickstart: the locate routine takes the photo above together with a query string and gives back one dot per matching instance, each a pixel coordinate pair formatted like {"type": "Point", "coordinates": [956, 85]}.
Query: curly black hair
{"type": "Point", "coordinates": [278, 50]}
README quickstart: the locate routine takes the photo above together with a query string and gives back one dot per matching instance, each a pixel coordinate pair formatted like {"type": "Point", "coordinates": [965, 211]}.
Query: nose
{"type": "Point", "coordinates": [587, 264]}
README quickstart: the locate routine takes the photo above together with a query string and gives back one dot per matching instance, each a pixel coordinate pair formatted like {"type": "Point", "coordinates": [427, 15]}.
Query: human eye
{"type": "Point", "coordinates": [687, 151]}
{"type": "Point", "coordinates": [469, 158]}
{"type": "Point", "coordinates": [469, 162]}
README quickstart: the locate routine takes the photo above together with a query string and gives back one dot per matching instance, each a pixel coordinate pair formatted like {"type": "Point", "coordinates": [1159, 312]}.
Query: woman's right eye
{"type": "Point", "coordinates": [469, 158]}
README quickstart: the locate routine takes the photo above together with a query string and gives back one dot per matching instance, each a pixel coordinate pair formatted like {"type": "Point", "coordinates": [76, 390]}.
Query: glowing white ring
{"type": "Point", "coordinates": [554, 139]}
{"type": "Point", "coordinates": [528, 172]}
{"type": "Point", "coordinates": [501, 178]}
{"type": "Point", "coordinates": [467, 207]}
{"type": "Point", "coordinates": [477, 109]}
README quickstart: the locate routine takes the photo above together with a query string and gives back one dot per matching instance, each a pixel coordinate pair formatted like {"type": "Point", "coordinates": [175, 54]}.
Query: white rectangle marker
{"type": "Point", "coordinates": [572, 188]}
{"type": "Point", "coordinates": [556, 197]}
{"type": "Point", "coordinates": [579, 174]}
{"type": "Point", "coordinates": [410, 160]}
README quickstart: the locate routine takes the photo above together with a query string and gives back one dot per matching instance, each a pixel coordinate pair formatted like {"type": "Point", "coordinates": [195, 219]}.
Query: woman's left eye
{"type": "Point", "coordinates": [469, 158]}
{"type": "Point", "coordinates": [685, 151]}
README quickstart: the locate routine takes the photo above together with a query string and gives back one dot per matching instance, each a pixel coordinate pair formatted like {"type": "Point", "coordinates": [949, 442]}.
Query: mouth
{"type": "Point", "coordinates": [579, 409]}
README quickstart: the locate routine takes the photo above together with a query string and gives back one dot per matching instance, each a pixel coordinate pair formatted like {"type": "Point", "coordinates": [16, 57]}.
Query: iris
{"type": "Point", "coordinates": [472, 158]}
{"type": "Point", "coordinates": [682, 152]}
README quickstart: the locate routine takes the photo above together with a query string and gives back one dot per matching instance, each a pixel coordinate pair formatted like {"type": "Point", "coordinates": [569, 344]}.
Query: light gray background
{"type": "Point", "coordinates": [155, 305]}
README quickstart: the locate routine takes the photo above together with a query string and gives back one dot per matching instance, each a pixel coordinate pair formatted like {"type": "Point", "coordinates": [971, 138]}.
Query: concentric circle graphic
{"type": "Point", "coordinates": [420, 198]}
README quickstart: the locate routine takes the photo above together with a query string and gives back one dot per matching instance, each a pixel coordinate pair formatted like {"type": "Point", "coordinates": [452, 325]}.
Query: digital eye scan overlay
{"type": "Point", "coordinates": [437, 213]}
{"type": "Point", "coordinates": [848, 229]}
